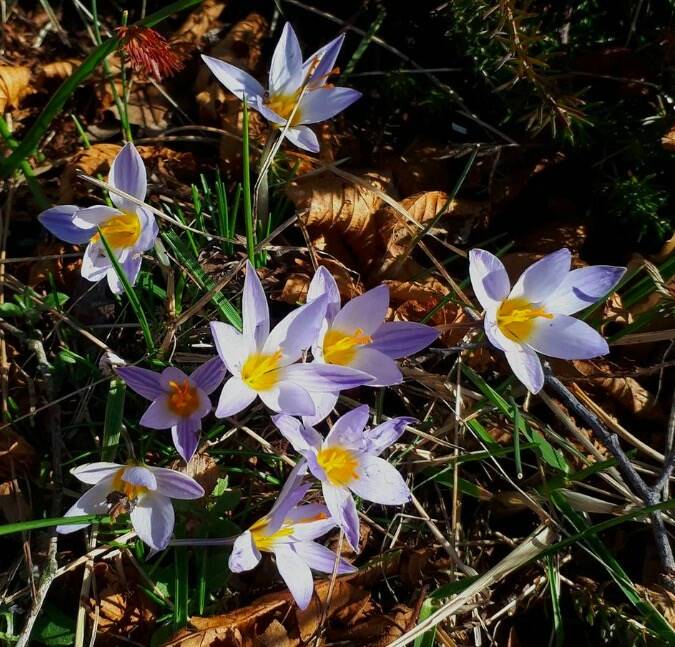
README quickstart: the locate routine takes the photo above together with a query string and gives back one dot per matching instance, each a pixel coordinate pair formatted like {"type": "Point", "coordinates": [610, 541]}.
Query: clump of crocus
{"type": "Point", "coordinates": [534, 316]}
{"type": "Point", "coordinates": [179, 401]}
{"type": "Point", "coordinates": [348, 460]}
{"type": "Point", "coordinates": [263, 363]}
{"type": "Point", "coordinates": [357, 336]}
{"type": "Point", "coordinates": [128, 228]}
{"type": "Point", "coordinates": [297, 90]}
{"type": "Point", "coordinates": [288, 532]}
{"type": "Point", "coordinates": [142, 491]}
{"type": "Point", "coordinates": [148, 52]}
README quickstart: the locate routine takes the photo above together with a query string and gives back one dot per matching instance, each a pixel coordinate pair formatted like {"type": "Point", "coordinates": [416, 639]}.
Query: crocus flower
{"type": "Point", "coordinates": [291, 82]}
{"type": "Point", "coordinates": [129, 228]}
{"type": "Point", "coordinates": [534, 316]}
{"type": "Point", "coordinates": [144, 492]}
{"type": "Point", "coordinates": [288, 532]}
{"type": "Point", "coordinates": [357, 336]}
{"type": "Point", "coordinates": [179, 401]}
{"type": "Point", "coordinates": [348, 460]}
{"type": "Point", "coordinates": [262, 362]}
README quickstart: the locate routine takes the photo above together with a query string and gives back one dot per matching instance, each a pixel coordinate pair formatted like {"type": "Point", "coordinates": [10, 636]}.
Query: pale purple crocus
{"type": "Point", "coordinates": [143, 491]}
{"type": "Point", "coordinates": [128, 228]}
{"type": "Point", "coordinates": [291, 82]}
{"type": "Point", "coordinates": [263, 363]}
{"type": "Point", "coordinates": [288, 532]}
{"type": "Point", "coordinates": [534, 316]}
{"type": "Point", "coordinates": [179, 401]}
{"type": "Point", "coordinates": [357, 336]}
{"type": "Point", "coordinates": [348, 461]}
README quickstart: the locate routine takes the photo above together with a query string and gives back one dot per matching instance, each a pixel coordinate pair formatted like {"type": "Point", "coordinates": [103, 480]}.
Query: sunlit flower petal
{"type": "Point", "coordinates": [542, 278]}
{"type": "Point", "coordinates": [323, 284]}
{"type": "Point", "coordinates": [245, 555]}
{"type": "Point", "coordinates": [92, 473]}
{"type": "Point", "coordinates": [128, 174]}
{"type": "Point", "coordinates": [489, 279]}
{"type": "Point", "coordinates": [286, 68]}
{"type": "Point", "coordinates": [234, 397]}
{"type": "Point", "coordinates": [319, 558]}
{"type": "Point", "coordinates": [185, 435]}
{"type": "Point", "coordinates": [295, 573]}
{"type": "Point", "coordinates": [93, 501]}
{"type": "Point", "coordinates": [325, 103]}
{"type": "Point", "coordinates": [153, 519]}
{"type": "Point", "coordinates": [176, 485]}
{"type": "Point", "coordinates": [365, 313]}
{"type": "Point", "coordinates": [158, 415]}
{"type": "Point", "coordinates": [233, 348]}
{"type": "Point", "coordinates": [526, 366]}
{"type": "Point", "coordinates": [384, 370]}
{"type": "Point", "coordinates": [318, 67]}
{"type": "Point", "coordinates": [348, 429]}
{"type": "Point", "coordinates": [238, 82]}
{"type": "Point", "coordinates": [140, 476]}
{"type": "Point", "coordinates": [402, 338]}
{"type": "Point", "coordinates": [255, 312]}
{"type": "Point", "coordinates": [141, 380]}
{"type": "Point", "coordinates": [380, 482]}
{"type": "Point", "coordinates": [302, 438]}
{"type": "Point", "coordinates": [289, 397]}
{"type": "Point", "coordinates": [386, 434]}
{"type": "Point", "coordinates": [343, 509]}
{"type": "Point", "coordinates": [567, 338]}
{"type": "Point", "coordinates": [583, 287]}
{"type": "Point", "coordinates": [59, 222]}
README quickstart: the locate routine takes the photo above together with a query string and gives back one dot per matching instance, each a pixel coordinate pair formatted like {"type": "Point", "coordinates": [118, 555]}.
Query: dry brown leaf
{"type": "Point", "coordinates": [668, 140]}
{"type": "Point", "coordinates": [662, 599]}
{"type": "Point", "coordinates": [15, 84]}
{"type": "Point", "coordinates": [13, 504]}
{"type": "Point", "coordinates": [198, 23]}
{"type": "Point", "coordinates": [146, 107]}
{"type": "Point", "coordinates": [275, 636]}
{"type": "Point", "coordinates": [203, 469]}
{"type": "Point", "coordinates": [60, 69]}
{"type": "Point", "coordinates": [340, 216]}
{"type": "Point", "coordinates": [64, 271]}
{"type": "Point", "coordinates": [377, 631]}
{"type": "Point", "coordinates": [16, 455]}
{"type": "Point", "coordinates": [90, 161]}
{"type": "Point", "coordinates": [296, 285]}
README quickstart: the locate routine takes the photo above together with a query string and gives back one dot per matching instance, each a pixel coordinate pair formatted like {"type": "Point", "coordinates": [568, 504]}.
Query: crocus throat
{"type": "Point", "coordinates": [183, 398]}
{"type": "Point", "coordinates": [283, 105]}
{"type": "Point", "coordinates": [262, 540]}
{"type": "Point", "coordinates": [340, 347]}
{"type": "Point", "coordinates": [131, 491]}
{"type": "Point", "coordinates": [261, 372]}
{"type": "Point", "coordinates": [516, 318]}
{"type": "Point", "coordinates": [339, 464]}
{"type": "Point", "coordinates": [122, 230]}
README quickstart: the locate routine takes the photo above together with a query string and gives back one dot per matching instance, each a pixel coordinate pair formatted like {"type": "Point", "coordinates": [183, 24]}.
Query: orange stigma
{"type": "Point", "coordinates": [183, 399]}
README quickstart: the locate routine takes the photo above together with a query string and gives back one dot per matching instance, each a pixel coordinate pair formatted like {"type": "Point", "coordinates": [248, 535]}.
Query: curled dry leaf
{"type": "Point", "coordinates": [668, 140]}
{"type": "Point", "coordinates": [296, 285]}
{"type": "Point", "coordinates": [60, 69]}
{"type": "Point", "coordinates": [198, 23]}
{"type": "Point", "coordinates": [15, 84]}
{"type": "Point", "coordinates": [90, 161]}
{"type": "Point", "coordinates": [340, 216]}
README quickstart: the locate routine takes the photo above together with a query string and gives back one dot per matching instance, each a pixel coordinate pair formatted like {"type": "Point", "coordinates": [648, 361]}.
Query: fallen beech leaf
{"type": "Point", "coordinates": [16, 454]}
{"type": "Point", "coordinates": [662, 599]}
{"type": "Point", "coordinates": [60, 69]}
{"type": "Point", "coordinates": [340, 216]}
{"type": "Point", "coordinates": [668, 140]}
{"type": "Point", "coordinates": [146, 107]}
{"type": "Point", "coordinates": [276, 636]}
{"type": "Point", "coordinates": [377, 631]}
{"type": "Point", "coordinates": [198, 23]}
{"type": "Point", "coordinates": [15, 84]}
{"type": "Point", "coordinates": [90, 161]}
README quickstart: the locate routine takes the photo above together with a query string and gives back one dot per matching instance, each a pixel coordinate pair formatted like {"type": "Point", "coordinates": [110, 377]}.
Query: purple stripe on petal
{"type": "Point", "coordinates": [245, 554]}
{"type": "Point", "coordinates": [142, 381]}
{"type": "Point", "coordinates": [141, 476]}
{"type": "Point", "coordinates": [158, 415]}
{"type": "Point", "coordinates": [402, 338]}
{"type": "Point", "coordinates": [293, 491]}
{"type": "Point", "coordinates": [186, 436]}
{"type": "Point", "coordinates": [295, 572]}
{"type": "Point", "coordinates": [176, 485]}
{"type": "Point", "coordinates": [322, 283]}
{"type": "Point", "coordinates": [59, 222]}
{"type": "Point", "coordinates": [209, 375]}
{"type": "Point", "coordinates": [128, 174]}
{"type": "Point", "coordinates": [343, 509]}
{"type": "Point", "coordinates": [386, 434]}
{"type": "Point", "coordinates": [326, 378]}
{"type": "Point", "coordinates": [153, 519]}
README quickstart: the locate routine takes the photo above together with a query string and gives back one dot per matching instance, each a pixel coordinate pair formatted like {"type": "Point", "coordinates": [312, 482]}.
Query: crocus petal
{"type": "Point", "coordinates": [526, 367]}
{"type": "Point", "coordinates": [286, 67]}
{"type": "Point", "coordinates": [583, 287]}
{"type": "Point", "coordinates": [141, 476]}
{"type": "Point", "coordinates": [324, 403]}
{"type": "Point", "coordinates": [496, 337]}
{"type": "Point", "coordinates": [153, 519]}
{"type": "Point", "coordinates": [489, 279]}
{"type": "Point", "coordinates": [365, 312]}
{"type": "Point", "coordinates": [95, 264]}
{"type": "Point", "coordinates": [306, 514]}
{"type": "Point", "coordinates": [288, 398]}
{"type": "Point", "coordinates": [296, 331]}
{"type": "Point", "coordinates": [379, 482]}
{"type": "Point", "coordinates": [383, 368]}
{"type": "Point", "coordinates": [293, 491]}
{"type": "Point", "coordinates": [94, 216]}
{"type": "Point", "coordinates": [238, 82]}
{"type": "Point", "coordinates": [131, 266]}
{"type": "Point", "coordinates": [233, 348]}
{"type": "Point", "coordinates": [320, 558]}
{"type": "Point", "coordinates": [142, 381]}
{"type": "Point", "coordinates": [386, 434]}
{"type": "Point", "coordinates": [209, 375]}
{"type": "Point", "coordinates": [234, 397]}
{"type": "Point", "coordinates": [59, 222]}
{"type": "Point", "coordinates": [176, 485]}
{"type": "Point", "coordinates": [323, 283]}
{"type": "Point", "coordinates": [128, 174]}
{"type": "Point", "coordinates": [567, 338]}
{"type": "Point", "coordinates": [255, 312]}
{"type": "Point", "coordinates": [171, 374]}
{"type": "Point", "coordinates": [296, 574]}
{"type": "Point", "coordinates": [245, 555]}
{"type": "Point", "coordinates": [326, 378]}
{"type": "Point", "coordinates": [303, 137]}
{"type": "Point", "coordinates": [343, 509]}
{"type": "Point", "coordinates": [348, 429]}
{"type": "Point", "coordinates": [402, 338]}
{"type": "Point", "coordinates": [324, 103]}
{"type": "Point", "coordinates": [542, 278]}
{"type": "Point", "coordinates": [149, 229]}
{"type": "Point", "coordinates": [93, 501]}
{"type": "Point", "coordinates": [158, 415]}
{"type": "Point", "coordinates": [185, 436]}
{"type": "Point", "coordinates": [322, 62]}
{"type": "Point", "coordinates": [93, 473]}
{"type": "Point", "coordinates": [300, 437]}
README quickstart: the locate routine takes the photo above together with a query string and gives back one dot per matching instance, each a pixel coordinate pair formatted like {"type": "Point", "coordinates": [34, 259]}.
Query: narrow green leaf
{"type": "Point", "coordinates": [112, 425]}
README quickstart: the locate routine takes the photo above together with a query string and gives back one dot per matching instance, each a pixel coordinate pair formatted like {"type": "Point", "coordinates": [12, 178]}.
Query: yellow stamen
{"type": "Point", "coordinates": [130, 490]}
{"type": "Point", "coordinates": [515, 318]}
{"type": "Point", "coordinates": [340, 347]}
{"type": "Point", "coordinates": [262, 540]}
{"type": "Point", "coordinates": [283, 105]}
{"type": "Point", "coordinates": [340, 465]}
{"type": "Point", "coordinates": [122, 230]}
{"type": "Point", "coordinates": [261, 372]}
{"type": "Point", "coordinates": [183, 399]}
